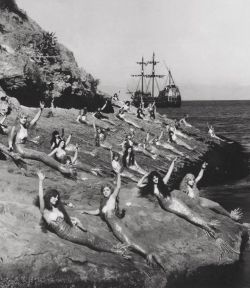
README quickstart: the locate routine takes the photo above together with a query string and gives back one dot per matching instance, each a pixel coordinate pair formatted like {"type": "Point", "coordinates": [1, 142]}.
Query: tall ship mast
{"type": "Point", "coordinates": [169, 96]}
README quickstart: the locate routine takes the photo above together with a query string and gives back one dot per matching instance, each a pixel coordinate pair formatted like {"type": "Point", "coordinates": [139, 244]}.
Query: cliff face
{"type": "Point", "coordinates": [34, 66]}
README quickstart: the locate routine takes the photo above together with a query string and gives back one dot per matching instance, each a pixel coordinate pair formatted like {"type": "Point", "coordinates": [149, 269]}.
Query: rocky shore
{"type": "Point", "coordinates": [31, 258]}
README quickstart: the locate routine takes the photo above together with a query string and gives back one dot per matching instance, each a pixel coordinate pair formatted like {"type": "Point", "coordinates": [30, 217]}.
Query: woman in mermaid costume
{"type": "Point", "coordinates": [189, 186]}
{"type": "Point", "coordinates": [154, 184]}
{"type": "Point", "coordinates": [110, 213]}
{"type": "Point", "coordinates": [58, 221]}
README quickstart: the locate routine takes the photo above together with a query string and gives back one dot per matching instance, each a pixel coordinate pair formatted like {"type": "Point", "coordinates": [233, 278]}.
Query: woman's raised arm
{"type": "Point", "coordinates": [41, 177]}
{"type": "Point", "coordinates": [118, 185]}
{"type": "Point", "coordinates": [52, 152]}
{"type": "Point", "coordinates": [170, 170]}
{"type": "Point", "coordinates": [200, 175]}
{"type": "Point", "coordinates": [37, 116]}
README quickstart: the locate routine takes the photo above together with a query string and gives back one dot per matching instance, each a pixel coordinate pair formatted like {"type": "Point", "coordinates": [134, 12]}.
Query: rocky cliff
{"type": "Point", "coordinates": [35, 66]}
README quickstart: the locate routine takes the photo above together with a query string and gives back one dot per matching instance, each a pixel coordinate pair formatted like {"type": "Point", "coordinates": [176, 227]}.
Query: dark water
{"type": "Point", "coordinates": [230, 119]}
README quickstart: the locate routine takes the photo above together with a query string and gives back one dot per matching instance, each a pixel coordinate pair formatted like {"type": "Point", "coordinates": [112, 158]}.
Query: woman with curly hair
{"type": "Point", "coordinates": [56, 219]}
{"type": "Point", "coordinates": [109, 211]}
{"type": "Point", "coordinates": [154, 184]}
{"type": "Point", "coordinates": [189, 186]}
{"type": "Point", "coordinates": [18, 137]}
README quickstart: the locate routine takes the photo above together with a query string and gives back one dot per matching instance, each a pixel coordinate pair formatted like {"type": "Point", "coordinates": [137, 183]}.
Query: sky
{"type": "Point", "coordinates": [205, 43]}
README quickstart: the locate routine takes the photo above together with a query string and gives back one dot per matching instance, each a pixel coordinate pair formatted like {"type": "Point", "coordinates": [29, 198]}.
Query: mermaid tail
{"type": "Point", "coordinates": [78, 236]}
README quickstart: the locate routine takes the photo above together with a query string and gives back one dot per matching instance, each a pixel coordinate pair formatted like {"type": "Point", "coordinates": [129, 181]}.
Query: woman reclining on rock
{"type": "Point", "coordinates": [128, 161]}
{"type": "Point", "coordinates": [154, 184]}
{"type": "Point", "coordinates": [110, 213]}
{"type": "Point", "coordinates": [83, 116]}
{"type": "Point", "coordinates": [61, 156]}
{"type": "Point", "coordinates": [18, 138]}
{"type": "Point", "coordinates": [189, 186]}
{"type": "Point", "coordinates": [121, 115]}
{"type": "Point", "coordinates": [118, 168]}
{"type": "Point", "coordinates": [157, 142]}
{"type": "Point", "coordinates": [56, 219]}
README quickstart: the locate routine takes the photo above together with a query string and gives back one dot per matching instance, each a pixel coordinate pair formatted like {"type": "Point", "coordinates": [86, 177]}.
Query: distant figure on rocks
{"type": "Point", "coordinates": [151, 110]}
{"type": "Point", "coordinates": [140, 114]}
{"type": "Point", "coordinates": [83, 116]}
{"type": "Point", "coordinates": [212, 134]}
{"type": "Point", "coordinates": [100, 137]}
{"type": "Point", "coordinates": [102, 117]}
{"type": "Point", "coordinates": [184, 122]}
{"type": "Point", "coordinates": [128, 160]}
{"type": "Point", "coordinates": [118, 168]}
{"type": "Point", "coordinates": [109, 211]}
{"type": "Point", "coordinates": [108, 107]}
{"type": "Point", "coordinates": [173, 138]}
{"type": "Point", "coordinates": [189, 186]}
{"type": "Point", "coordinates": [121, 116]}
{"type": "Point", "coordinates": [56, 219]}
{"type": "Point", "coordinates": [157, 142]}
{"type": "Point", "coordinates": [5, 110]}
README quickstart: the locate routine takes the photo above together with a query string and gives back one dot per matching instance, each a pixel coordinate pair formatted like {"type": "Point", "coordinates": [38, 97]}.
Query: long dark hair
{"type": "Point", "coordinates": [50, 192]}
{"type": "Point", "coordinates": [53, 137]}
{"type": "Point", "coordinates": [148, 189]}
{"type": "Point", "coordinates": [119, 213]}
{"type": "Point", "coordinates": [131, 157]}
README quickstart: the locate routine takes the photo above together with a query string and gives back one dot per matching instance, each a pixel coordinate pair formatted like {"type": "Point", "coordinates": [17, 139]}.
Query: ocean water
{"type": "Point", "coordinates": [230, 119]}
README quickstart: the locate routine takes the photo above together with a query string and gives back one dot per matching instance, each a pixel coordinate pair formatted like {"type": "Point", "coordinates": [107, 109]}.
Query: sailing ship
{"type": "Point", "coordinates": [169, 96]}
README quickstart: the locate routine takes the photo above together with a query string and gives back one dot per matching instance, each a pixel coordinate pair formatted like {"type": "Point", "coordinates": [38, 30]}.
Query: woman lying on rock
{"type": "Point", "coordinates": [212, 134]}
{"type": "Point", "coordinates": [56, 219]}
{"type": "Point", "coordinates": [121, 116]}
{"type": "Point", "coordinates": [184, 122]}
{"type": "Point", "coordinates": [157, 142]}
{"type": "Point", "coordinates": [118, 168]}
{"type": "Point", "coordinates": [173, 138]}
{"type": "Point", "coordinates": [100, 137]}
{"type": "Point", "coordinates": [102, 117]}
{"type": "Point", "coordinates": [137, 146]}
{"type": "Point", "coordinates": [18, 138]}
{"type": "Point", "coordinates": [154, 184]}
{"type": "Point", "coordinates": [189, 186]}
{"type": "Point", "coordinates": [61, 156]}
{"type": "Point", "coordinates": [83, 116]}
{"type": "Point", "coordinates": [128, 161]}
{"type": "Point", "coordinates": [110, 213]}
{"type": "Point", "coordinates": [56, 138]}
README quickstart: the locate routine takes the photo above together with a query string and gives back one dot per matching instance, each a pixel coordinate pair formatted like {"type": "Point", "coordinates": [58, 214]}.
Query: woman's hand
{"type": "Point", "coordinates": [42, 105]}
{"type": "Point", "coordinates": [40, 175]}
{"type": "Point", "coordinates": [204, 165]}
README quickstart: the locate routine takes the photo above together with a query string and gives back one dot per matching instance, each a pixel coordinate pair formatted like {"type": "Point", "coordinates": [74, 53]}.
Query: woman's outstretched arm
{"type": "Point", "coordinates": [3, 119]}
{"type": "Point", "coordinates": [200, 175]}
{"type": "Point", "coordinates": [41, 177]}
{"type": "Point", "coordinates": [53, 152]}
{"type": "Point", "coordinates": [141, 183]}
{"type": "Point", "coordinates": [11, 137]}
{"type": "Point", "coordinates": [37, 116]}
{"type": "Point", "coordinates": [68, 140]}
{"type": "Point", "coordinates": [161, 135]}
{"type": "Point", "coordinates": [75, 155]}
{"type": "Point", "coordinates": [170, 170]}
{"type": "Point", "coordinates": [118, 185]}
{"type": "Point", "coordinates": [91, 212]}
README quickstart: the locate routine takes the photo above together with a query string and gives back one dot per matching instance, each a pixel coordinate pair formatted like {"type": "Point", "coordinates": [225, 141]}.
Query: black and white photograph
{"type": "Point", "coordinates": [124, 144]}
